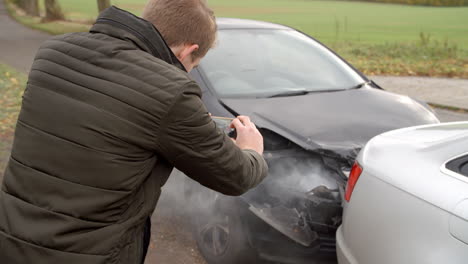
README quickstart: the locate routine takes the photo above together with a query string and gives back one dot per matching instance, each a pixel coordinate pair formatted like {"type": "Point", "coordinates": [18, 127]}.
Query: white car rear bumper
{"type": "Point", "coordinates": [343, 252]}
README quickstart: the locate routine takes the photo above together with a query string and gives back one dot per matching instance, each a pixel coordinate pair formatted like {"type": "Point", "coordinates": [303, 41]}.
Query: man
{"type": "Point", "coordinates": [106, 115]}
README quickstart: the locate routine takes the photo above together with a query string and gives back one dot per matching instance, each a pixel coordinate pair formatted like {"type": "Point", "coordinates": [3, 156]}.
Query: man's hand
{"type": "Point", "coordinates": [248, 136]}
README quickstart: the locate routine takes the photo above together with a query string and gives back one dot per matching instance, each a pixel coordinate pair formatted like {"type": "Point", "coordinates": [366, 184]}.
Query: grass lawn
{"type": "Point", "coordinates": [376, 38]}
{"type": "Point", "coordinates": [370, 23]}
{"type": "Point", "coordinates": [328, 21]}
{"type": "Point", "coordinates": [12, 85]}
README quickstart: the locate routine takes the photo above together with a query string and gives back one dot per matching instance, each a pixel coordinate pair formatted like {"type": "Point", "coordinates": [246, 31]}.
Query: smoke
{"type": "Point", "coordinates": [291, 174]}
{"type": "Point", "coordinates": [183, 198]}
{"type": "Point", "coordinates": [302, 174]}
{"type": "Point", "coordinates": [173, 200]}
{"type": "Point", "coordinates": [291, 184]}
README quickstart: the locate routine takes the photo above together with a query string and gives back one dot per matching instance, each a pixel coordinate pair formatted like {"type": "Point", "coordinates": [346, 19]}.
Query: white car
{"type": "Point", "coordinates": [407, 199]}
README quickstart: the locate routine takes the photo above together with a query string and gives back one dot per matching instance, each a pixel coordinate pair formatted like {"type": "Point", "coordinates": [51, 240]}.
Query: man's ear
{"type": "Point", "coordinates": [186, 51]}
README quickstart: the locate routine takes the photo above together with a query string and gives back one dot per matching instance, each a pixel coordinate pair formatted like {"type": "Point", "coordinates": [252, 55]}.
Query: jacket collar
{"type": "Point", "coordinates": [124, 25]}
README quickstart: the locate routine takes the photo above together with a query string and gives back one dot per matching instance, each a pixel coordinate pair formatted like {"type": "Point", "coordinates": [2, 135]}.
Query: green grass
{"type": "Point", "coordinates": [374, 37]}
{"type": "Point", "coordinates": [12, 86]}
{"type": "Point", "coordinates": [430, 58]}
{"type": "Point", "coordinates": [86, 10]}
{"type": "Point", "coordinates": [328, 21]}
{"type": "Point", "coordinates": [369, 23]}
{"type": "Point", "coordinates": [422, 2]}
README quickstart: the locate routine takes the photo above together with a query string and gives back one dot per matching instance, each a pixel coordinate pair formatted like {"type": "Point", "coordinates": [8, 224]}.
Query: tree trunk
{"type": "Point", "coordinates": [103, 4]}
{"type": "Point", "coordinates": [31, 7]}
{"type": "Point", "coordinates": [53, 11]}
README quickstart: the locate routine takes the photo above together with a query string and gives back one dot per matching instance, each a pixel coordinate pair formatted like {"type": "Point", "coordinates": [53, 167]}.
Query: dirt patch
{"type": "Point", "coordinates": [172, 242]}
{"type": "Point", "coordinates": [11, 89]}
{"type": "Point", "coordinates": [5, 149]}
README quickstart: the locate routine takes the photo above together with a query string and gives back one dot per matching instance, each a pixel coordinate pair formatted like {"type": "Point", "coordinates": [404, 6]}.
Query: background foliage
{"type": "Point", "coordinates": [421, 2]}
{"type": "Point", "coordinates": [12, 86]}
{"type": "Point", "coordinates": [377, 38]}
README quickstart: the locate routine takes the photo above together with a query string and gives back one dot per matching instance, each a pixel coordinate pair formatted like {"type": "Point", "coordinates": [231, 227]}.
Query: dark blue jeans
{"type": "Point", "coordinates": [146, 238]}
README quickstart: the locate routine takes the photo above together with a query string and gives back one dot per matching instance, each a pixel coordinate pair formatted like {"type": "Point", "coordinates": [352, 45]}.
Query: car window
{"type": "Point", "coordinates": [459, 165]}
{"type": "Point", "coordinates": [263, 62]}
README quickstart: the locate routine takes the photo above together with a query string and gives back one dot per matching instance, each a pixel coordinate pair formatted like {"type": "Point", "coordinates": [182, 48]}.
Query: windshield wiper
{"type": "Point", "coordinates": [289, 93]}
{"type": "Point", "coordinates": [304, 92]}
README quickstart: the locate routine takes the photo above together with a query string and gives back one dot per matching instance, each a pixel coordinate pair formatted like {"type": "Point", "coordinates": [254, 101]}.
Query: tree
{"type": "Point", "coordinates": [31, 7]}
{"type": "Point", "coordinates": [103, 4]}
{"type": "Point", "coordinates": [53, 11]}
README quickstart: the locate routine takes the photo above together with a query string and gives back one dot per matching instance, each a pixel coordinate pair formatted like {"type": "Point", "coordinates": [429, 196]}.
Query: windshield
{"type": "Point", "coordinates": [271, 62]}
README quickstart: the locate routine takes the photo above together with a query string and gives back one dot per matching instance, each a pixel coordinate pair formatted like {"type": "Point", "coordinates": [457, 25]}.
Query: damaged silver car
{"type": "Point", "coordinates": [315, 112]}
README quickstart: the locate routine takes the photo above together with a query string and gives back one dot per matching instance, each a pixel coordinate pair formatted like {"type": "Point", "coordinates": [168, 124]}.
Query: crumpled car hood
{"type": "Point", "coordinates": [340, 121]}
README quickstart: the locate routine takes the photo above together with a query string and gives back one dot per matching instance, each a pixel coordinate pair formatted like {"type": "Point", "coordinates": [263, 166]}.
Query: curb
{"type": "Point", "coordinates": [448, 107]}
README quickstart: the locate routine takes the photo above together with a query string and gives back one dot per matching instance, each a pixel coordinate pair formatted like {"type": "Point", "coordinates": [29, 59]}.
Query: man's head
{"type": "Point", "coordinates": [188, 27]}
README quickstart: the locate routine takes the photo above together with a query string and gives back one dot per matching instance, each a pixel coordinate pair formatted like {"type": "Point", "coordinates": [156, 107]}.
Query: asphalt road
{"type": "Point", "coordinates": [451, 116]}
{"type": "Point", "coordinates": [18, 44]}
{"type": "Point", "coordinates": [440, 91]}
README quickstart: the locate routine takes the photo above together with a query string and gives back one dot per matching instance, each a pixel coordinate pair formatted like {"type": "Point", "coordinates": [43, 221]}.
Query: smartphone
{"type": "Point", "coordinates": [224, 124]}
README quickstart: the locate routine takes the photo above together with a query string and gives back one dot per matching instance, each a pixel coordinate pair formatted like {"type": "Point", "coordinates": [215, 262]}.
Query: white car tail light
{"type": "Point", "coordinates": [352, 180]}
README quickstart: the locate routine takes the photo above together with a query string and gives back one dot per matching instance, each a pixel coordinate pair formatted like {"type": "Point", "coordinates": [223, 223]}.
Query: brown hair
{"type": "Point", "coordinates": [183, 22]}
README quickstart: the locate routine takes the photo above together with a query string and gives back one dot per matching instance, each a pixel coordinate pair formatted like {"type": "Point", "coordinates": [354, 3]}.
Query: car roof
{"type": "Point", "coordinates": [237, 23]}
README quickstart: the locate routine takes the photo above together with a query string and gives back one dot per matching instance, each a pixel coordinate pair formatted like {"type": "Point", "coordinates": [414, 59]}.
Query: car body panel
{"type": "Point", "coordinates": [339, 121]}
{"type": "Point", "coordinates": [343, 252]}
{"type": "Point", "coordinates": [236, 23]}
{"type": "Point", "coordinates": [386, 225]}
{"type": "Point", "coordinates": [459, 222]}
{"type": "Point", "coordinates": [404, 209]}
{"type": "Point", "coordinates": [429, 147]}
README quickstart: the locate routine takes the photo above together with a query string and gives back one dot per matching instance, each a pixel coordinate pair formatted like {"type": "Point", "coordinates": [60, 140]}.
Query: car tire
{"type": "Point", "coordinates": [219, 231]}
